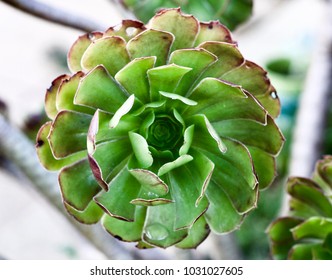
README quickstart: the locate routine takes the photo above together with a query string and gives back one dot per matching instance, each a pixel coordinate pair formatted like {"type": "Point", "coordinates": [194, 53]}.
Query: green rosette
{"type": "Point", "coordinates": [306, 234]}
{"type": "Point", "coordinates": [164, 131]}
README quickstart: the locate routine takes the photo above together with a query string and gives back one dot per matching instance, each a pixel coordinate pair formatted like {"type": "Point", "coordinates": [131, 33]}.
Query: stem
{"type": "Point", "coordinates": [16, 147]}
{"type": "Point", "coordinates": [55, 15]}
{"type": "Point", "coordinates": [314, 103]}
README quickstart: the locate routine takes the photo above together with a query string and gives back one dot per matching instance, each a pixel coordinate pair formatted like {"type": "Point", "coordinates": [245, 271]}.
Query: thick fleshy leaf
{"type": "Point", "coordinates": [141, 150]}
{"type": "Point", "coordinates": [183, 27]}
{"type": "Point", "coordinates": [51, 94]}
{"type": "Point", "coordinates": [265, 166]}
{"type": "Point", "coordinates": [123, 110]}
{"type": "Point", "coordinates": [99, 90]}
{"type": "Point", "coordinates": [234, 174]}
{"type": "Point", "coordinates": [229, 57]}
{"type": "Point", "coordinates": [127, 29]}
{"type": "Point", "coordinates": [91, 214]}
{"type": "Point", "coordinates": [159, 226]}
{"type": "Point", "coordinates": [221, 101]}
{"type": "Point", "coordinates": [308, 229]}
{"type": "Point", "coordinates": [203, 167]}
{"type": "Point", "coordinates": [213, 31]}
{"type": "Point", "coordinates": [327, 245]}
{"type": "Point", "coordinates": [221, 219]}
{"type": "Point", "coordinates": [165, 78]}
{"type": "Point", "coordinates": [302, 251]}
{"type": "Point", "coordinates": [66, 94]}
{"type": "Point", "coordinates": [78, 48]}
{"type": "Point", "coordinates": [253, 79]}
{"type": "Point", "coordinates": [124, 230]}
{"type": "Point", "coordinates": [187, 140]}
{"type": "Point", "coordinates": [309, 193]}
{"type": "Point", "coordinates": [110, 52]}
{"type": "Point", "coordinates": [68, 133]}
{"type": "Point", "coordinates": [323, 173]}
{"type": "Point", "coordinates": [133, 77]}
{"type": "Point", "coordinates": [151, 201]}
{"type": "Point", "coordinates": [150, 181]}
{"type": "Point", "coordinates": [265, 137]}
{"type": "Point", "coordinates": [116, 201]}
{"type": "Point", "coordinates": [196, 59]}
{"type": "Point", "coordinates": [208, 137]}
{"type": "Point", "coordinates": [167, 167]}
{"type": "Point", "coordinates": [280, 230]}
{"type": "Point", "coordinates": [185, 189]}
{"type": "Point", "coordinates": [78, 185]}
{"type": "Point", "coordinates": [197, 234]}
{"type": "Point", "coordinates": [299, 208]}
{"type": "Point", "coordinates": [151, 43]}
{"type": "Point", "coordinates": [319, 253]}
{"type": "Point", "coordinates": [45, 153]}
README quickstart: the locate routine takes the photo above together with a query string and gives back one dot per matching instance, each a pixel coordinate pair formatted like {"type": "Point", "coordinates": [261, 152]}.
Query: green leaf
{"type": "Point", "coordinates": [302, 251]}
{"type": "Point", "coordinates": [234, 174]}
{"type": "Point", "coordinates": [127, 29]}
{"type": "Point", "coordinates": [124, 230]}
{"type": "Point", "coordinates": [141, 150]}
{"type": "Point", "coordinates": [197, 234]}
{"type": "Point", "coordinates": [66, 94]}
{"type": "Point", "coordinates": [110, 52]}
{"type": "Point", "coordinates": [167, 167]}
{"type": "Point", "coordinates": [280, 230]}
{"type": "Point", "coordinates": [133, 77]}
{"type": "Point", "coordinates": [116, 201]}
{"type": "Point", "coordinates": [196, 59]}
{"type": "Point", "coordinates": [219, 101]}
{"type": "Point", "coordinates": [213, 31]}
{"type": "Point", "coordinates": [78, 185]}
{"type": "Point", "coordinates": [229, 58]}
{"type": "Point", "coordinates": [183, 27]}
{"type": "Point", "coordinates": [150, 181]}
{"type": "Point", "coordinates": [185, 189]}
{"type": "Point", "coordinates": [68, 133]}
{"type": "Point", "coordinates": [323, 174]}
{"type": "Point", "coordinates": [174, 96]}
{"type": "Point", "coordinates": [78, 48]}
{"type": "Point", "coordinates": [45, 154]}
{"type": "Point", "coordinates": [99, 90]}
{"type": "Point", "coordinates": [315, 227]}
{"type": "Point", "coordinates": [187, 140]}
{"type": "Point", "coordinates": [123, 110]}
{"type": "Point", "coordinates": [159, 226]}
{"type": "Point", "coordinates": [221, 219]}
{"type": "Point", "coordinates": [150, 201]}
{"type": "Point", "coordinates": [265, 167]}
{"type": "Point", "coordinates": [151, 43]}
{"type": "Point", "coordinates": [51, 95]}
{"type": "Point", "coordinates": [253, 79]}
{"type": "Point", "coordinates": [309, 193]}
{"type": "Point", "coordinates": [207, 136]}
{"type": "Point", "coordinates": [91, 214]}
{"type": "Point", "coordinates": [253, 134]}
{"type": "Point", "coordinates": [165, 78]}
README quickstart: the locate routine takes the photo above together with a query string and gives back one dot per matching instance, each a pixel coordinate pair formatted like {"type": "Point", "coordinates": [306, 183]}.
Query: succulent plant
{"type": "Point", "coordinates": [163, 132]}
{"type": "Point", "coordinates": [230, 12]}
{"type": "Point", "coordinates": [307, 232]}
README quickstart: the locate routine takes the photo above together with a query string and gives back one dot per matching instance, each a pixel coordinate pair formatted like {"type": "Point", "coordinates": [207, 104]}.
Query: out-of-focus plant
{"type": "Point", "coordinates": [307, 232]}
{"type": "Point", "coordinates": [229, 12]}
{"type": "Point", "coordinates": [164, 131]}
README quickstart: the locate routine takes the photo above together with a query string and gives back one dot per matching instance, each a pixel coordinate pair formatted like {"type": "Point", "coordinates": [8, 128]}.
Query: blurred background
{"type": "Point", "coordinates": [281, 36]}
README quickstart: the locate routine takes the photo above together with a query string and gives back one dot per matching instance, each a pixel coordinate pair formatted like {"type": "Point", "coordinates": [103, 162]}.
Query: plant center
{"type": "Point", "coordinates": [164, 133]}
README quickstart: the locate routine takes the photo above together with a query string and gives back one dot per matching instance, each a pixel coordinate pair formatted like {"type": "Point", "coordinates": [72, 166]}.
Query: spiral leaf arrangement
{"type": "Point", "coordinates": [163, 131]}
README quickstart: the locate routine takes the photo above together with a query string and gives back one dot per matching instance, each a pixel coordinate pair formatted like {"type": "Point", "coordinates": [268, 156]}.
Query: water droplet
{"type": "Point", "coordinates": [156, 232]}
{"type": "Point", "coordinates": [274, 95]}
